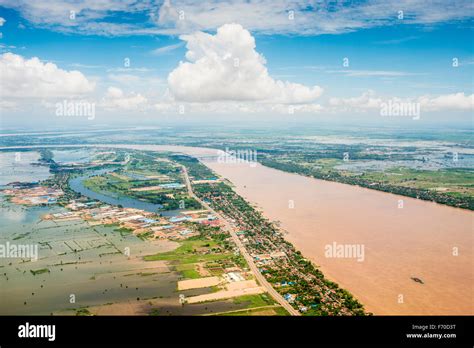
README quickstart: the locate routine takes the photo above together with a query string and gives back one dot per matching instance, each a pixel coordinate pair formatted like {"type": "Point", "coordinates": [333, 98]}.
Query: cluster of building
{"type": "Point", "coordinates": [36, 195]}
{"type": "Point", "coordinates": [233, 277]}
{"type": "Point", "coordinates": [159, 187]}
{"type": "Point", "coordinates": [207, 181]}
{"type": "Point", "coordinates": [136, 220]}
{"type": "Point", "coordinates": [176, 227]}
{"type": "Point", "coordinates": [268, 258]}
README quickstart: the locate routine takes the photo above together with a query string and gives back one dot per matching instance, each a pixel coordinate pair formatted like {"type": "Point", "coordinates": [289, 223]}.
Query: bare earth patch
{"type": "Point", "coordinates": [236, 289]}
{"type": "Point", "coordinates": [198, 283]}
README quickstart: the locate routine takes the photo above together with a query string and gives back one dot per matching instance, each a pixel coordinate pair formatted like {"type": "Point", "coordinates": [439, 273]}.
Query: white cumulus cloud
{"type": "Point", "coordinates": [367, 100]}
{"type": "Point", "coordinates": [115, 98]}
{"type": "Point", "coordinates": [370, 100]}
{"type": "Point", "coordinates": [226, 66]}
{"type": "Point", "coordinates": [32, 78]}
{"type": "Point", "coordinates": [455, 101]}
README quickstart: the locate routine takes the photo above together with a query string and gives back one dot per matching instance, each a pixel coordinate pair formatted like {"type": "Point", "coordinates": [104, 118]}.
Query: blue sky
{"type": "Point", "coordinates": [389, 57]}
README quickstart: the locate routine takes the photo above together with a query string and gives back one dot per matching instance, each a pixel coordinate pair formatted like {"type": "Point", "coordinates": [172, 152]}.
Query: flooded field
{"type": "Point", "coordinates": [17, 166]}
{"type": "Point", "coordinates": [88, 263]}
{"type": "Point", "coordinates": [85, 261]}
{"type": "Point", "coordinates": [71, 156]}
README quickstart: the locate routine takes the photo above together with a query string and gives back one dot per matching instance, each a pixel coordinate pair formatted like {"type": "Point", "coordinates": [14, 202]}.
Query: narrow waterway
{"type": "Point", "coordinates": [77, 184]}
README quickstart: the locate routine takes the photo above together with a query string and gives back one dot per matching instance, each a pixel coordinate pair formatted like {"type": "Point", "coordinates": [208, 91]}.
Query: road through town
{"type": "Point", "coordinates": [228, 227]}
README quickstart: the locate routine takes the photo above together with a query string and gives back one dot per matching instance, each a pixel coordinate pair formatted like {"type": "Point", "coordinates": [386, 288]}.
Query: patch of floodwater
{"type": "Point", "coordinates": [86, 261]}
{"type": "Point", "coordinates": [72, 156]}
{"type": "Point", "coordinates": [18, 166]}
{"type": "Point", "coordinates": [430, 163]}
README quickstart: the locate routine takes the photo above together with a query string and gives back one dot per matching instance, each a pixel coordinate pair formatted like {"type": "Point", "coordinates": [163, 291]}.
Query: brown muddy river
{"type": "Point", "coordinates": [416, 241]}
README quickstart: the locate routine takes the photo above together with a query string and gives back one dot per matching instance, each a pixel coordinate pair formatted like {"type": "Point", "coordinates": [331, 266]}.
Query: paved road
{"type": "Point", "coordinates": [261, 279]}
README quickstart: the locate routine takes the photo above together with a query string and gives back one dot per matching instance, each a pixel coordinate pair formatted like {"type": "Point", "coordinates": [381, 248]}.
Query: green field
{"type": "Point", "coordinates": [193, 251]}
{"type": "Point", "coordinates": [255, 300]}
{"type": "Point", "coordinates": [450, 181]}
{"type": "Point", "coordinates": [142, 172]}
